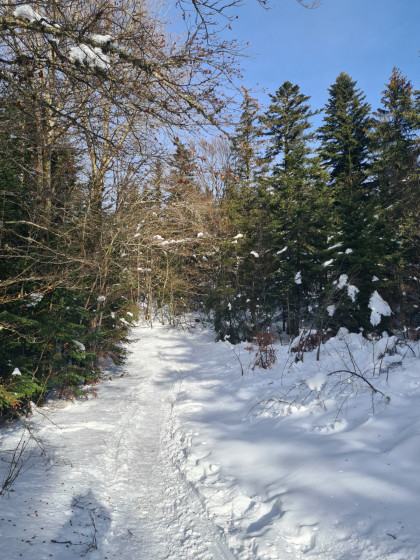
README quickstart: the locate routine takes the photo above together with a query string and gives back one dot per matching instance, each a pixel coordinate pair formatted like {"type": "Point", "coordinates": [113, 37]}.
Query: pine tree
{"type": "Point", "coordinates": [344, 150]}
{"type": "Point", "coordinates": [397, 175]}
{"type": "Point", "coordinates": [244, 191]}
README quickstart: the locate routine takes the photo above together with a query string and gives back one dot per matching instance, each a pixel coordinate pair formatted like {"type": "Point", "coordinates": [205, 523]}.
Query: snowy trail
{"type": "Point", "coordinates": [171, 462]}
{"type": "Point", "coordinates": [118, 495]}
{"type": "Point", "coordinates": [163, 518]}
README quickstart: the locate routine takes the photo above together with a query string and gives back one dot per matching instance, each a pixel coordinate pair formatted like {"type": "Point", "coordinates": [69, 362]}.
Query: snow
{"type": "Point", "coordinates": [35, 298]}
{"type": "Point", "coordinates": [181, 457]}
{"type": "Point", "coordinates": [80, 345]}
{"type": "Point", "coordinates": [101, 39]}
{"type": "Point", "coordinates": [175, 241]}
{"type": "Point", "coordinates": [200, 234]}
{"type": "Point", "coordinates": [385, 345]}
{"type": "Point", "coordinates": [27, 12]}
{"type": "Point", "coordinates": [335, 246]}
{"type": "Point", "coordinates": [238, 236]}
{"type": "Point", "coordinates": [282, 250]}
{"type": "Point", "coordinates": [379, 308]}
{"type": "Point", "coordinates": [331, 310]}
{"type": "Point", "coordinates": [298, 277]}
{"type": "Point", "coordinates": [256, 255]}
{"type": "Point", "coordinates": [327, 263]}
{"type": "Point", "coordinates": [100, 298]}
{"type": "Point", "coordinates": [91, 56]}
{"type": "Point", "coordinates": [317, 381]}
{"type": "Point", "coordinates": [352, 291]}
{"type": "Point", "coordinates": [342, 281]}
{"type": "Point", "coordinates": [16, 371]}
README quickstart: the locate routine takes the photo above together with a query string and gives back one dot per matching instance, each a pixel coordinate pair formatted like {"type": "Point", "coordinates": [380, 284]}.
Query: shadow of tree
{"type": "Point", "coordinates": [87, 527]}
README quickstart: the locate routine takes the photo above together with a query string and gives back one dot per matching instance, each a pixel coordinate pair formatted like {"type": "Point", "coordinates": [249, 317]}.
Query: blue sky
{"type": "Point", "coordinates": [365, 38]}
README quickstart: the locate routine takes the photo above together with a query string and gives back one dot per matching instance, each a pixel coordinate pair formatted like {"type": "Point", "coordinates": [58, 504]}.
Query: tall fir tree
{"type": "Point", "coordinates": [246, 150]}
{"type": "Point", "coordinates": [397, 175]}
{"type": "Point", "coordinates": [355, 248]}
{"type": "Point", "coordinates": [181, 178]}
{"type": "Point", "coordinates": [296, 186]}
{"type": "Point", "coordinates": [239, 297]}
{"type": "Point", "coordinates": [287, 122]}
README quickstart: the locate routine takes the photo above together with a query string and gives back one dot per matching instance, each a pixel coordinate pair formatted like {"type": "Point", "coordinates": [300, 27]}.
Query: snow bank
{"type": "Point", "coordinates": [327, 478]}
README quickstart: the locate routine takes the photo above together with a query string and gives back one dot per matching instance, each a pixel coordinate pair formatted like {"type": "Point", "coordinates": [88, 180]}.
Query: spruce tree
{"type": "Point", "coordinates": [396, 172]}
{"type": "Point", "coordinates": [295, 178]}
{"type": "Point", "coordinates": [354, 243]}
{"type": "Point", "coordinates": [247, 144]}
{"type": "Point", "coordinates": [344, 135]}
{"type": "Point", "coordinates": [181, 180]}
{"type": "Point", "coordinates": [287, 122]}
{"type": "Point", "coordinates": [239, 297]}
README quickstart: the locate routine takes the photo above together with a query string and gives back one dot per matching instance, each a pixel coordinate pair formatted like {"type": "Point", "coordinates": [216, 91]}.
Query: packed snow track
{"type": "Point", "coordinates": [113, 491]}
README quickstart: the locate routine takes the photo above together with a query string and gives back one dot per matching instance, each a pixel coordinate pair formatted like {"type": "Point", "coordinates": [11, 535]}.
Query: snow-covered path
{"type": "Point", "coordinates": [114, 493]}
{"type": "Point", "coordinates": [179, 459]}
{"type": "Point", "coordinates": [156, 515]}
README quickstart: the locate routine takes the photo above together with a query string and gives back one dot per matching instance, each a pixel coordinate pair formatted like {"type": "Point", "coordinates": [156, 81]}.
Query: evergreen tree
{"type": "Point", "coordinates": [344, 150]}
{"type": "Point", "coordinates": [296, 185]}
{"type": "Point", "coordinates": [181, 180]}
{"type": "Point", "coordinates": [287, 120]}
{"type": "Point", "coordinates": [396, 172]}
{"type": "Point", "coordinates": [239, 296]}
{"type": "Point", "coordinates": [344, 135]}
{"type": "Point", "coordinates": [246, 148]}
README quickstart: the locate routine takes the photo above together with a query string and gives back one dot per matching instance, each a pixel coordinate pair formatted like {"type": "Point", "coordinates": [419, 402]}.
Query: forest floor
{"type": "Point", "coordinates": [191, 453]}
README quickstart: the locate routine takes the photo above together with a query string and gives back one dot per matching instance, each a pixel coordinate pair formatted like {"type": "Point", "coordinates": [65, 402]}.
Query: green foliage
{"type": "Point", "coordinates": [298, 205]}
{"type": "Point", "coordinates": [351, 212]}
{"type": "Point", "coordinates": [396, 174]}
{"type": "Point", "coordinates": [52, 328]}
{"type": "Point", "coordinates": [344, 149]}
{"type": "Point", "coordinates": [239, 296]}
{"type": "Point", "coordinates": [344, 134]}
{"type": "Point", "coordinates": [287, 125]}
{"type": "Point", "coordinates": [273, 243]}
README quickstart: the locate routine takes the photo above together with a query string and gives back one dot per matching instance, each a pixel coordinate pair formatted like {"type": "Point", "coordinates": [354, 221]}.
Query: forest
{"type": "Point", "coordinates": [135, 168]}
